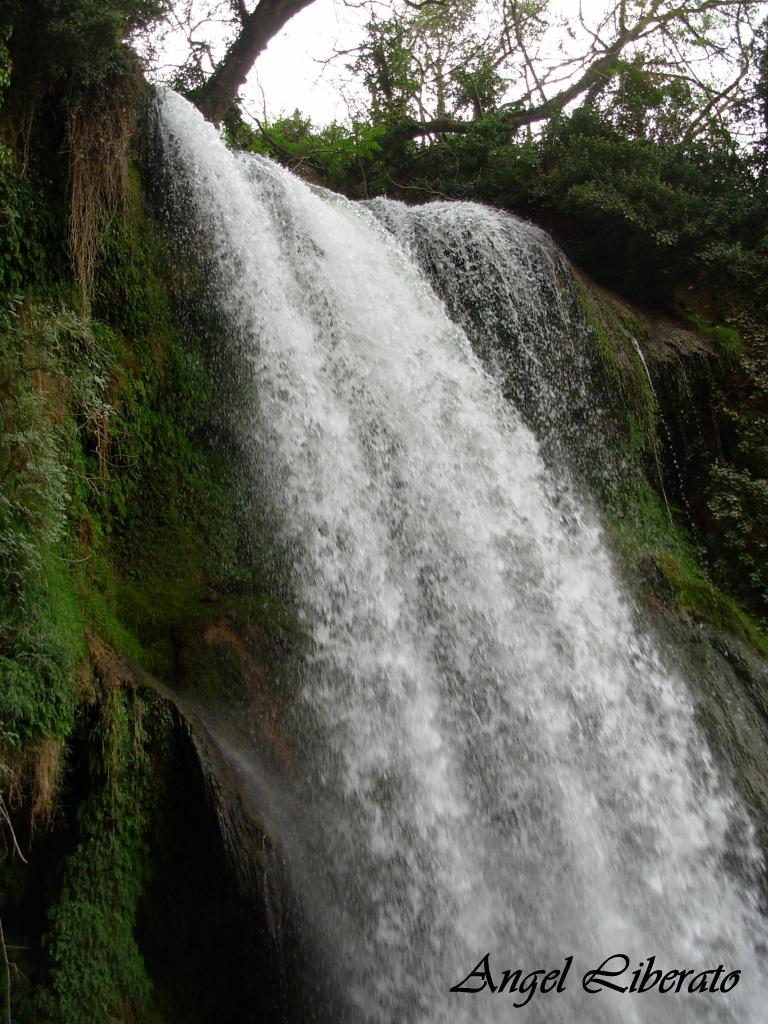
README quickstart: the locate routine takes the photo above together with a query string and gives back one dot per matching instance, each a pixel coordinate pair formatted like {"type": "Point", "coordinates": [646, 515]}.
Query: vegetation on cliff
{"type": "Point", "coordinates": [118, 537]}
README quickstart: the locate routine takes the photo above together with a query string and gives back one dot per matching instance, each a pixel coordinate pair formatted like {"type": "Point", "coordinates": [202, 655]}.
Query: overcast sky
{"type": "Point", "coordinates": [289, 73]}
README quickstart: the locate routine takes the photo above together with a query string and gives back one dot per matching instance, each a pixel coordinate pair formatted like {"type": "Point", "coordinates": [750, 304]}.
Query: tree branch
{"type": "Point", "coordinates": [600, 70]}
{"type": "Point", "coordinates": [438, 126]}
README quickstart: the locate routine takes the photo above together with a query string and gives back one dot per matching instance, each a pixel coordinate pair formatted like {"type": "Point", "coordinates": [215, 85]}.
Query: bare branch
{"type": "Point", "coordinates": [6, 819]}
{"type": "Point", "coordinates": [7, 968]}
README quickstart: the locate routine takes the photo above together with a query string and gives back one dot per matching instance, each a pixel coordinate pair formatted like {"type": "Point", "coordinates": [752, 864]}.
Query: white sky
{"type": "Point", "coordinates": [288, 71]}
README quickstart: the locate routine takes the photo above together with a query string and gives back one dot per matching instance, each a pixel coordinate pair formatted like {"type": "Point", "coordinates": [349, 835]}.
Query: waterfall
{"type": "Point", "coordinates": [493, 758]}
{"type": "Point", "coordinates": [510, 289]}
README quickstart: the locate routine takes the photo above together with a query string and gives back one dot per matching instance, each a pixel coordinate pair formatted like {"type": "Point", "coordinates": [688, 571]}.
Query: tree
{"type": "Point", "coordinates": [518, 57]}
{"type": "Point", "coordinates": [438, 66]}
{"type": "Point", "coordinates": [427, 61]}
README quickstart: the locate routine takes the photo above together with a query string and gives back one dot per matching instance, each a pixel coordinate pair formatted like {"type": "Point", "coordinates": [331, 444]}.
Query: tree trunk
{"type": "Point", "coordinates": [217, 95]}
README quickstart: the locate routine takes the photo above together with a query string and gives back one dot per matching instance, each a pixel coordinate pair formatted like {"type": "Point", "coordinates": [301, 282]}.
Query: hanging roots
{"type": "Point", "coordinates": [34, 781]}
{"type": "Point", "coordinates": [100, 132]}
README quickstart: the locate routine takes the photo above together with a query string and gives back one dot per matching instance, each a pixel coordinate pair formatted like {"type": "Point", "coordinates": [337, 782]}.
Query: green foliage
{"type": "Point", "coordinates": [96, 966]}
{"type": "Point", "coordinates": [336, 154]}
{"type": "Point", "coordinates": [77, 42]}
{"type": "Point", "coordinates": [477, 87]}
{"type": "Point", "coordinates": [640, 103]}
{"type": "Point", "coordinates": [31, 244]}
{"type": "Point", "coordinates": [5, 59]}
{"type": "Point", "coordinates": [635, 205]}
{"type": "Point", "coordinates": [39, 640]}
{"type": "Point", "coordinates": [388, 70]}
{"type": "Point", "coordinates": [668, 204]}
{"type": "Point", "coordinates": [37, 668]}
{"type": "Point", "coordinates": [735, 489]}
{"type": "Point", "coordinates": [118, 518]}
{"type": "Point", "coordinates": [738, 503]}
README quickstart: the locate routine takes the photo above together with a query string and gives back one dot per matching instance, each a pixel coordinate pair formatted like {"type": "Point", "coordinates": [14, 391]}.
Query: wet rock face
{"type": "Point", "coordinates": [228, 815]}
{"type": "Point", "coordinates": [204, 946]}
{"type": "Point", "coordinates": [669, 341]}
{"type": "Point", "coordinates": [730, 687]}
{"type": "Point", "coordinates": [674, 543]}
{"type": "Point", "coordinates": [684, 368]}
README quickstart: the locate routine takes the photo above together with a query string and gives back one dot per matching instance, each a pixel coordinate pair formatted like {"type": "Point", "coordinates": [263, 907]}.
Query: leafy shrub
{"type": "Point", "coordinates": [738, 504]}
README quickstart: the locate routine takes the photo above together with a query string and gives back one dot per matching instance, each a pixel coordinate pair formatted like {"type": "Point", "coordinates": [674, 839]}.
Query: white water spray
{"type": "Point", "coordinates": [499, 762]}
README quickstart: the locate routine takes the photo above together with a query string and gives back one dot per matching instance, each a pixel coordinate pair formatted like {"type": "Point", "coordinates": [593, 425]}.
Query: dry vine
{"type": "Point", "coordinates": [100, 132]}
{"type": "Point", "coordinates": [5, 819]}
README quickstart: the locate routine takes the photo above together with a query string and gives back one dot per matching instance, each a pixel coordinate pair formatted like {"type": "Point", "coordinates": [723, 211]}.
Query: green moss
{"type": "Point", "coordinates": [635, 327]}
{"type": "Point", "coordinates": [660, 555]}
{"type": "Point", "coordinates": [694, 590]}
{"type": "Point", "coordinates": [40, 627]}
{"type": "Point", "coordinates": [728, 340]}
{"type": "Point", "coordinates": [96, 968]}
{"type": "Point", "coordinates": [633, 400]}
{"type": "Point", "coordinates": [647, 532]}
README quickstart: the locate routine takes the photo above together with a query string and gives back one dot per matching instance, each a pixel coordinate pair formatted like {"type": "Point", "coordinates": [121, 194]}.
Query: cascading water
{"type": "Point", "coordinates": [510, 289]}
{"type": "Point", "coordinates": [495, 760]}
